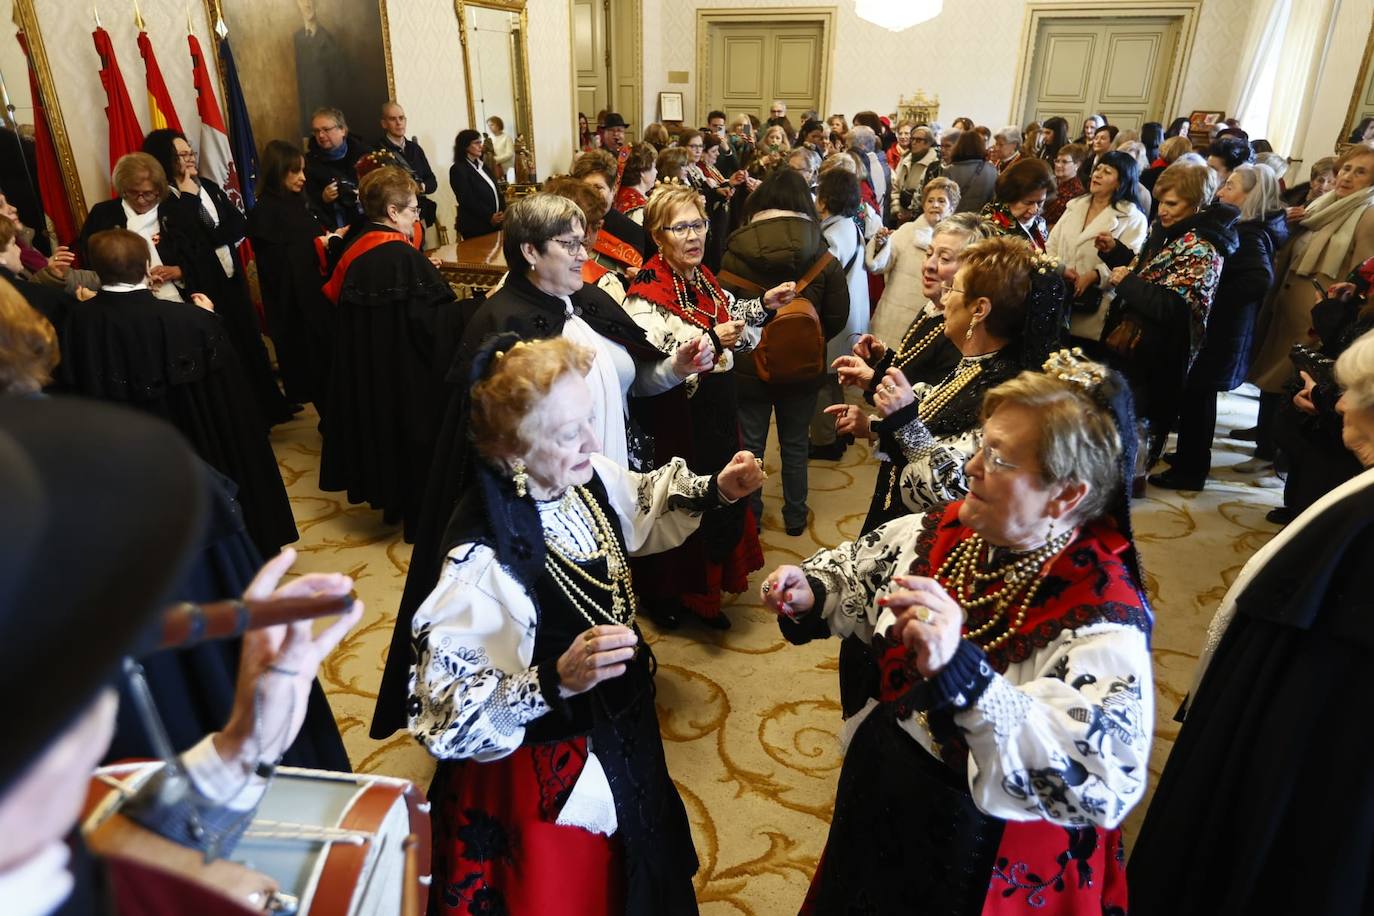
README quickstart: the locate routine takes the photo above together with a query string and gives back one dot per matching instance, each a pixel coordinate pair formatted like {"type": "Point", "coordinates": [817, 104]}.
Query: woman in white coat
{"type": "Point", "coordinates": [900, 256]}
{"type": "Point", "coordinates": [1090, 223]}
{"type": "Point", "coordinates": [837, 204]}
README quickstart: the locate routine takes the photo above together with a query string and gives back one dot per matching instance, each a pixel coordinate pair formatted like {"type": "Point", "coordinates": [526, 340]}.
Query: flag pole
{"type": "Point", "coordinates": [95, 12]}
{"type": "Point", "coordinates": [138, 18]}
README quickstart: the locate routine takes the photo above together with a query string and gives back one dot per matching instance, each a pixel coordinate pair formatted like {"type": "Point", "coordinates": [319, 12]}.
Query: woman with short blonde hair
{"type": "Point", "coordinates": [676, 299]}
{"type": "Point", "coordinates": [1247, 275]}
{"type": "Point", "coordinates": [1157, 320]}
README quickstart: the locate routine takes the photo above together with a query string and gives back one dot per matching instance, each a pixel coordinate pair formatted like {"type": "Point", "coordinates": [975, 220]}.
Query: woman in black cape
{"type": "Point", "coordinates": [1265, 804]}
{"type": "Point", "coordinates": [283, 230]}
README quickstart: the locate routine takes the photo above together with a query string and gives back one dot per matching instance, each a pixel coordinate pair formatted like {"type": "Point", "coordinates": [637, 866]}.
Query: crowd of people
{"type": "Point", "coordinates": [1014, 321]}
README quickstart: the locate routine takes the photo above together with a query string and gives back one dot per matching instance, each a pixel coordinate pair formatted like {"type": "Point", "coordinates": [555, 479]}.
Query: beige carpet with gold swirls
{"type": "Point", "coordinates": [749, 721]}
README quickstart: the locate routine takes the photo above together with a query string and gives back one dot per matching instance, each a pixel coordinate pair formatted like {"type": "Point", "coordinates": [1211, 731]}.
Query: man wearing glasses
{"type": "Point", "coordinates": [331, 177]}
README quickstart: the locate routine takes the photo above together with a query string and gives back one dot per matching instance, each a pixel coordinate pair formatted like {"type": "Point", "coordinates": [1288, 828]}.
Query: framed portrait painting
{"type": "Point", "coordinates": [295, 56]}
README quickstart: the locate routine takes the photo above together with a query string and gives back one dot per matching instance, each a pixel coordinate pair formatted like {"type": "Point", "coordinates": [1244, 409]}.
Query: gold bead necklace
{"type": "Point", "coordinates": [905, 352]}
{"type": "Point", "coordinates": [948, 390]}
{"type": "Point", "coordinates": [1020, 580]}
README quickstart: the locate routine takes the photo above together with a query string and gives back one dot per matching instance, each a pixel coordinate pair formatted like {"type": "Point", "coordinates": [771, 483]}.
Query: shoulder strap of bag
{"type": "Point", "coordinates": [733, 279]}
{"type": "Point", "coordinates": [814, 271]}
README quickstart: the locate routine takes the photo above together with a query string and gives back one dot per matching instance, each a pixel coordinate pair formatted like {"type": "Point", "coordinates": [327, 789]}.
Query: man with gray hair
{"type": "Point", "coordinates": [1006, 150]}
{"type": "Point", "coordinates": [920, 164]}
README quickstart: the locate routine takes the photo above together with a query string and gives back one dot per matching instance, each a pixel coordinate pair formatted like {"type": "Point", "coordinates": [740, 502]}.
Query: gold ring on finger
{"type": "Point", "coordinates": [925, 615]}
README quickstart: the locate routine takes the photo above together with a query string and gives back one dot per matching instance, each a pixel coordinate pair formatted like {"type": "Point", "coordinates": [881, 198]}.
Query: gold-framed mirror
{"type": "Point", "coordinates": [496, 71]}
{"type": "Point", "coordinates": [1361, 100]}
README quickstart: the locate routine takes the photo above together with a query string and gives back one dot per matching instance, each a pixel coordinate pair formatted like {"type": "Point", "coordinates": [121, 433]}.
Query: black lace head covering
{"type": "Point", "coordinates": [1110, 390]}
{"type": "Point", "coordinates": [490, 512]}
{"type": "Point", "coordinates": [1046, 313]}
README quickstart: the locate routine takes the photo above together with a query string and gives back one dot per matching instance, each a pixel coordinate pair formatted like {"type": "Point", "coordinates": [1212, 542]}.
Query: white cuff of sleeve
{"type": "Point", "coordinates": [220, 782]}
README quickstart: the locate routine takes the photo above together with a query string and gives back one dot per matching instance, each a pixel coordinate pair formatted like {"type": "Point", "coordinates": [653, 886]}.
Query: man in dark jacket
{"type": "Point", "coordinates": [331, 177]}
{"type": "Point", "coordinates": [780, 242]}
{"type": "Point", "coordinates": [412, 156]}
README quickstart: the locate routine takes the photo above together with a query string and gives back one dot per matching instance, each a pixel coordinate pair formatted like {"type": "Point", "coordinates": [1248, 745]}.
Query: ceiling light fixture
{"type": "Point", "coordinates": [897, 15]}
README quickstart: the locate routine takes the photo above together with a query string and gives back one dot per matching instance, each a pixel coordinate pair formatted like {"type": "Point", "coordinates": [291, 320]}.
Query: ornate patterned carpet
{"type": "Point", "coordinates": [750, 722]}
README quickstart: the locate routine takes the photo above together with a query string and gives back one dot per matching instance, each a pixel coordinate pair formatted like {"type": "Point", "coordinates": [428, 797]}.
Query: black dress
{"type": "Point", "coordinates": [517, 307]}
{"type": "Point", "coordinates": [193, 688]}
{"type": "Point", "coordinates": [384, 392]}
{"type": "Point", "coordinates": [1265, 804]}
{"type": "Point", "coordinates": [175, 362]}
{"type": "Point", "coordinates": [283, 230]}
{"type": "Point", "coordinates": [229, 292]}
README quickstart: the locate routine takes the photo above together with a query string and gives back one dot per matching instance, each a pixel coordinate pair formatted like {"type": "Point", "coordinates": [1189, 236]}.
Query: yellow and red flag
{"type": "Point", "coordinates": [159, 99]}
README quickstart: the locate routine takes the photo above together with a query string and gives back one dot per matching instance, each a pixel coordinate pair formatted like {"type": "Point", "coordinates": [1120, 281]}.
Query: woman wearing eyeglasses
{"type": "Point", "coordinates": [216, 226]}
{"type": "Point", "coordinates": [676, 300]}
{"type": "Point", "coordinates": [545, 295]}
{"type": "Point", "coordinates": [384, 384]}
{"type": "Point", "coordinates": [1008, 732]}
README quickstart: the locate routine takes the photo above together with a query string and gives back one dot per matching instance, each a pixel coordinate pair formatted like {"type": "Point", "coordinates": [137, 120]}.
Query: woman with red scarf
{"type": "Point", "coordinates": [1008, 734]}
{"type": "Point", "coordinates": [674, 299]}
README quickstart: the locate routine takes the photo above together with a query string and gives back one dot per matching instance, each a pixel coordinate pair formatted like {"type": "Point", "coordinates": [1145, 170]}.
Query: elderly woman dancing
{"type": "Point", "coordinates": [544, 295]}
{"type": "Point", "coordinates": [1004, 312]}
{"type": "Point", "coordinates": [1011, 731]}
{"type": "Point", "coordinates": [531, 682]}
{"type": "Point", "coordinates": [676, 299]}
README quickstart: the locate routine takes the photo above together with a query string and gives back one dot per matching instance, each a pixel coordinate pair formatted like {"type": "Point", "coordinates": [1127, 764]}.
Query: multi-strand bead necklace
{"type": "Point", "coordinates": [564, 565]}
{"type": "Point", "coordinates": [1020, 579]}
{"type": "Point", "coordinates": [688, 301]}
{"type": "Point", "coordinates": [907, 350]}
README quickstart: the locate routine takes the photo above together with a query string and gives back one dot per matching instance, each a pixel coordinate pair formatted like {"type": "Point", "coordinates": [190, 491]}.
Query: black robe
{"type": "Point", "coordinates": [385, 389]}
{"type": "Point", "coordinates": [175, 362]}
{"type": "Point", "coordinates": [49, 301]}
{"type": "Point", "coordinates": [520, 308]}
{"type": "Point", "coordinates": [193, 688]}
{"type": "Point", "coordinates": [184, 242]}
{"type": "Point", "coordinates": [283, 230]}
{"type": "Point", "coordinates": [1266, 804]}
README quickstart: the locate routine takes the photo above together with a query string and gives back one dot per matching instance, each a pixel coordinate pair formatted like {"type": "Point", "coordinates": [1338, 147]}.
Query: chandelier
{"type": "Point", "coordinates": [897, 15]}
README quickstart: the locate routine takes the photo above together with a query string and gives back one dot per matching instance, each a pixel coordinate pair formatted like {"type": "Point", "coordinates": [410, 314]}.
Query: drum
{"type": "Point", "coordinates": [334, 844]}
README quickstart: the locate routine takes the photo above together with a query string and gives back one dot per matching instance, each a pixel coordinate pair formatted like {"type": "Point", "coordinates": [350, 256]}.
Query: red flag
{"type": "Point", "coordinates": [216, 161]}
{"type": "Point", "coordinates": [51, 188]}
{"type": "Point", "coordinates": [125, 134]}
{"type": "Point", "coordinates": [159, 99]}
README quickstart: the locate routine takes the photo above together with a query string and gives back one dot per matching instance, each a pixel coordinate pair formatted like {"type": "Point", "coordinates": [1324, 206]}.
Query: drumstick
{"type": "Point", "coordinates": [186, 624]}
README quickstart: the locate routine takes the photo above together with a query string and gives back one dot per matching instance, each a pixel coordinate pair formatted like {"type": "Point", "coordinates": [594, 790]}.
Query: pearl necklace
{"type": "Point", "coordinates": [905, 352]}
{"type": "Point", "coordinates": [688, 302]}
{"type": "Point", "coordinates": [564, 567]}
{"type": "Point", "coordinates": [948, 390]}
{"type": "Point", "coordinates": [1020, 581]}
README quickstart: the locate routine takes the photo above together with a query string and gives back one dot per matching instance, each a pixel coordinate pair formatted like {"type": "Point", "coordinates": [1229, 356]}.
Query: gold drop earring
{"type": "Point", "coordinates": [973, 323]}
{"type": "Point", "coordinates": [519, 477]}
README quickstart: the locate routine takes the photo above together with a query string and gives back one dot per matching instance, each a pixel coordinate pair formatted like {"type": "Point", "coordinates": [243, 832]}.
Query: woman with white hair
{"type": "Point", "coordinates": [1287, 651]}
{"type": "Point", "coordinates": [864, 141]}
{"type": "Point", "coordinates": [1224, 360]}
{"type": "Point", "coordinates": [1006, 147]}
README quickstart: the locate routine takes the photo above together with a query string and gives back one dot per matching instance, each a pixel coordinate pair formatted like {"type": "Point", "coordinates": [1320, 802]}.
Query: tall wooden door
{"type": "Point", "coordinates": [751, 64]}
{"type": "Point", "coordinates": [590, 55]}
{"type": "Point", "coordinates": [1118, 67]}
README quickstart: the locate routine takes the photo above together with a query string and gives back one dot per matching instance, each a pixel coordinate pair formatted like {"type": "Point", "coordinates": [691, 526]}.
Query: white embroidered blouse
{"type": "Point", "coordinates": [1062, 736]}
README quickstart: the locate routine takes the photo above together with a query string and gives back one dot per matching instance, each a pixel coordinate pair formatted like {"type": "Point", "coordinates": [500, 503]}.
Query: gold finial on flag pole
{"type": "Point", "coordinates": [138, 17]}
{"type": "Point", "coordinates": [221, 29]}
{"type": "Point", "coordinates": [95, 13]}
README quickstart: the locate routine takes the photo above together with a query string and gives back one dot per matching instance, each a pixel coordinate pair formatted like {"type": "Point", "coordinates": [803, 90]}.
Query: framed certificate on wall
{"type": "Point", "coordinates": [670, 106]}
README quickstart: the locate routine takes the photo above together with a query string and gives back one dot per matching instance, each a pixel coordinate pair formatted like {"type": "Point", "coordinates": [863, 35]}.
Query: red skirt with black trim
{"type": "Point", "coordinates": [498, 850]}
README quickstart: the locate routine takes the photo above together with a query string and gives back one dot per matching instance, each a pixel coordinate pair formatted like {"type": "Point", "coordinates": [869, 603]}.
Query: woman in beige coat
{"type": "Point", "coordinates": [1336, 233]}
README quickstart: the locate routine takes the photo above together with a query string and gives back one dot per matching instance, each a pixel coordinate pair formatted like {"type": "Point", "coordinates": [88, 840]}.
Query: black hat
{"type": "Point", "coordinates": [613, 119]}
{"type": "Point", "coordinates": [102, 509]}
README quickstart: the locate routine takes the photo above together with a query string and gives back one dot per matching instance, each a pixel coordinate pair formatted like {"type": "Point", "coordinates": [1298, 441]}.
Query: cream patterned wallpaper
{"type": "Point", "coordinates": [427, 61]}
